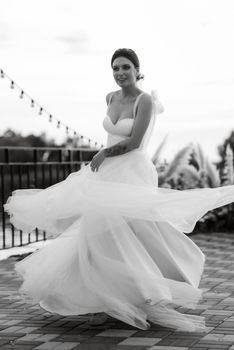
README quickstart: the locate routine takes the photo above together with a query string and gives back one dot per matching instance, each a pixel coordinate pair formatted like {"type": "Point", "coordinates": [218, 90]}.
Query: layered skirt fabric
{"type": "Point", "coordinates": [119, 244]}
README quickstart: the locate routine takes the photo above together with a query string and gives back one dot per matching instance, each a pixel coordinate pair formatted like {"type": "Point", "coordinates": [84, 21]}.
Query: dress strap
{"type": "Point", "coordinates": [112, 93]}
{"type": "Point", "coordinates": [135, 104]}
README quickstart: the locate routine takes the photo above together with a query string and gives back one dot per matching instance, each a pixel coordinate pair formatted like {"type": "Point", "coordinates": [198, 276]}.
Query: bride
{"type": "Point", "coordinates": [119, 246]}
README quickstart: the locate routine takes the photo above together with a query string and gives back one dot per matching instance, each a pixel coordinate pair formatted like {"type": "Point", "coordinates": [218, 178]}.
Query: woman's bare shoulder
{"type": "Point", "coordinates": [146, 96]}
{"type": "Point", "coordinates": [145, 99]}
{"type": "Point", "coordinates": [114, 93]}
{"type": "Point", "coordinates": [108, 97]}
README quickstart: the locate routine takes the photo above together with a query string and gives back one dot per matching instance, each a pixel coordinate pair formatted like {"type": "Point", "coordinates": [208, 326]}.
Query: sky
{"type": "Point", "coordinates": [59, 52]}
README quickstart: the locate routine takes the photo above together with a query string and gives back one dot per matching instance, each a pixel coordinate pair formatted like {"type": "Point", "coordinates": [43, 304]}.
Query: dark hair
{"type": "Point", "coordinates": [129, 54]}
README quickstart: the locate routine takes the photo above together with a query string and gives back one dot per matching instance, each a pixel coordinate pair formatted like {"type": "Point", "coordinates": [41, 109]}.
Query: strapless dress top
{"type": "Point", "coordinates": [119, 131]}
{"type": "Point", "coordinates": [123, 127]}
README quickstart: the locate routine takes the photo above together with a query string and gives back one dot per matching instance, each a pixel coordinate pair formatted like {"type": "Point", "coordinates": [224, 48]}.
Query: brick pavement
{"type": "Point", "coordinates": [24, 326]}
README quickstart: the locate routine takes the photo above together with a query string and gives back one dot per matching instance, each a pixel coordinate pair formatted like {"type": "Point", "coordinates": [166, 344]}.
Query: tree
{"type": "Point", "coordinates": [222, 151]}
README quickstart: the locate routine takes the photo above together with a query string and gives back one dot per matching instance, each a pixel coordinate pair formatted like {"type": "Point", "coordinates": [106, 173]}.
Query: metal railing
{"type": "Point", "coordinates": [33, 167]}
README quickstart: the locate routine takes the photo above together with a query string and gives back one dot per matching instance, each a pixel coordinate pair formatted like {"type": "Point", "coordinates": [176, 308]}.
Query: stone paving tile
{"type": "Point", "coordinates": [99, 347]}
{"type": "Point", "coordinates": [104, 340]}
{"type": "Point", "coordinates": [38, 337]}
{"type": "Point", "coordinates": [67, 346]}
{"type": "Point", "coordinates": [140, 341]}
{"type": "Point", "coordinates": [56, 346]}
{"type": "Point", "coordinates": [3, 341]}
{"type": "Point", "coordinates": [116, 333]}
{"type": "Point", "coordinates": [25, 326]}
{"type": "Point", "coordinates": [10, 322]}
{"type": "Point", "coordinates": [29, 337]}
{"type": "Point", "coordinates": [48, 346]}
{"type": "Point", "coordinates": [72, 338]}
{"type": "Point", "coordinates": [13, 329]}
{"type": "Point", "coordinates": [126, 347]}
{"type": "Point", "coordinates": [213, 345]}
{"type": "Point", "coordinates": [167, 348]}
{"type": "Point", "coordinates": [152, 334]}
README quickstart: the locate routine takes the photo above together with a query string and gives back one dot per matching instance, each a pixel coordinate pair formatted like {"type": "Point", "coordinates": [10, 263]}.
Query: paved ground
{"type": "Point", "coordinates": [25, 326]}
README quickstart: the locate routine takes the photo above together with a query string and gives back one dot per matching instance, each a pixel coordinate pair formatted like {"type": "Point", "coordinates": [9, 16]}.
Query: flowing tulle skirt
{"type": "Point", "coordinates": [119, 244]}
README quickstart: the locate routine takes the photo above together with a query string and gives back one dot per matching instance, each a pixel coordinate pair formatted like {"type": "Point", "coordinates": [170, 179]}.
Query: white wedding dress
{"type": "Point", "coordinates": [119, 242]}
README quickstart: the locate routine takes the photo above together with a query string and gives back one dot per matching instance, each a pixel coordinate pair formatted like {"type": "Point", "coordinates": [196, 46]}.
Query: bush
{"type": "Point", "coordinates": [218, 220]}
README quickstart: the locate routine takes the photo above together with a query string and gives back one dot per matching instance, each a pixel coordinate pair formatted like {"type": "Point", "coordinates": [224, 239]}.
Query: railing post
{"type": "Point", "coordinates": [70, 159]}
{"type": "Point", "coordinates": [81, 158]}
{"type": "Point", "coordinates": [35, 160]}
{"type": "Point", "coordinates": [35, 156]}
{"type": "Point", "coordinates": [6, 159]}
{"type": "Point", "coordinates": [2, 209]}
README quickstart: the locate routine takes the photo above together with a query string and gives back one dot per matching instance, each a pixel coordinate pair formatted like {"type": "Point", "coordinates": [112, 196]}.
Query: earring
{"type": "Point", "coordinates": [140, 76]}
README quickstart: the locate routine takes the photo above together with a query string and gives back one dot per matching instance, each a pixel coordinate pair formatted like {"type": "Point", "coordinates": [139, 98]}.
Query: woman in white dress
{"type": "Point", "coordinates": [119, 244]}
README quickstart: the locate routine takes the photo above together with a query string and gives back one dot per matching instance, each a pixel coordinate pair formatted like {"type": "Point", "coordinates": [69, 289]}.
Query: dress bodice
{"type": "Point", "coordinates": [123, 128]}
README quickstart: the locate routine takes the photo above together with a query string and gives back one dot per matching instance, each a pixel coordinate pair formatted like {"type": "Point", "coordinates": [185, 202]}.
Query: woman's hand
{"type": "Point", "coordinates": [97, 160]}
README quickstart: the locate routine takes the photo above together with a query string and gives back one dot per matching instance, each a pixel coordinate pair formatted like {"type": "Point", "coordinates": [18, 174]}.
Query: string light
{"type": "Point", "coordinates": [41, 109]}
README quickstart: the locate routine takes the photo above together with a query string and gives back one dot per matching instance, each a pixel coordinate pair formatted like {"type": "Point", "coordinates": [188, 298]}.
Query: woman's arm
{"type": "Point", "coordinates": [119, 148]}
{"type": "Point", "coordinates": [140, 125]}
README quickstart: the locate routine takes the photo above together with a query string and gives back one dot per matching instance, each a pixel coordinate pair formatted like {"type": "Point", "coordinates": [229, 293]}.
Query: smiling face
{"type": "Point", "coordinates": [124, 72]}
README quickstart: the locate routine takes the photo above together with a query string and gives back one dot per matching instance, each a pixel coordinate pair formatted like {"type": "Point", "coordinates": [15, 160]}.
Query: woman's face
{"type": "Point", "coordinates": [124, 72]}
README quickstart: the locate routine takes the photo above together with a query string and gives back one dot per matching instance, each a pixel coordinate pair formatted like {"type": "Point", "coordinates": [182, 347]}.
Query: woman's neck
{"type": "Point", "coordinates": [130, 91]}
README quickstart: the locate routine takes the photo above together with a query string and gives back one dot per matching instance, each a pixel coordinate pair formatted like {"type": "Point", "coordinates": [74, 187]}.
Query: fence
{"type": "Point", "coordinates": [33, 167]}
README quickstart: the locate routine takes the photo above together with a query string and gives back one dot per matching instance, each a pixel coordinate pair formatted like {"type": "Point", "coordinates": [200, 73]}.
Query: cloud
{"type": "Point", "coordinates": [214, 82]}
{"type": "Point", "coordinates": [76, 43]}
{"type": "Point", "coordinates": [83, 44]}
{"type": "Point", "coordinates": [5, 38]}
